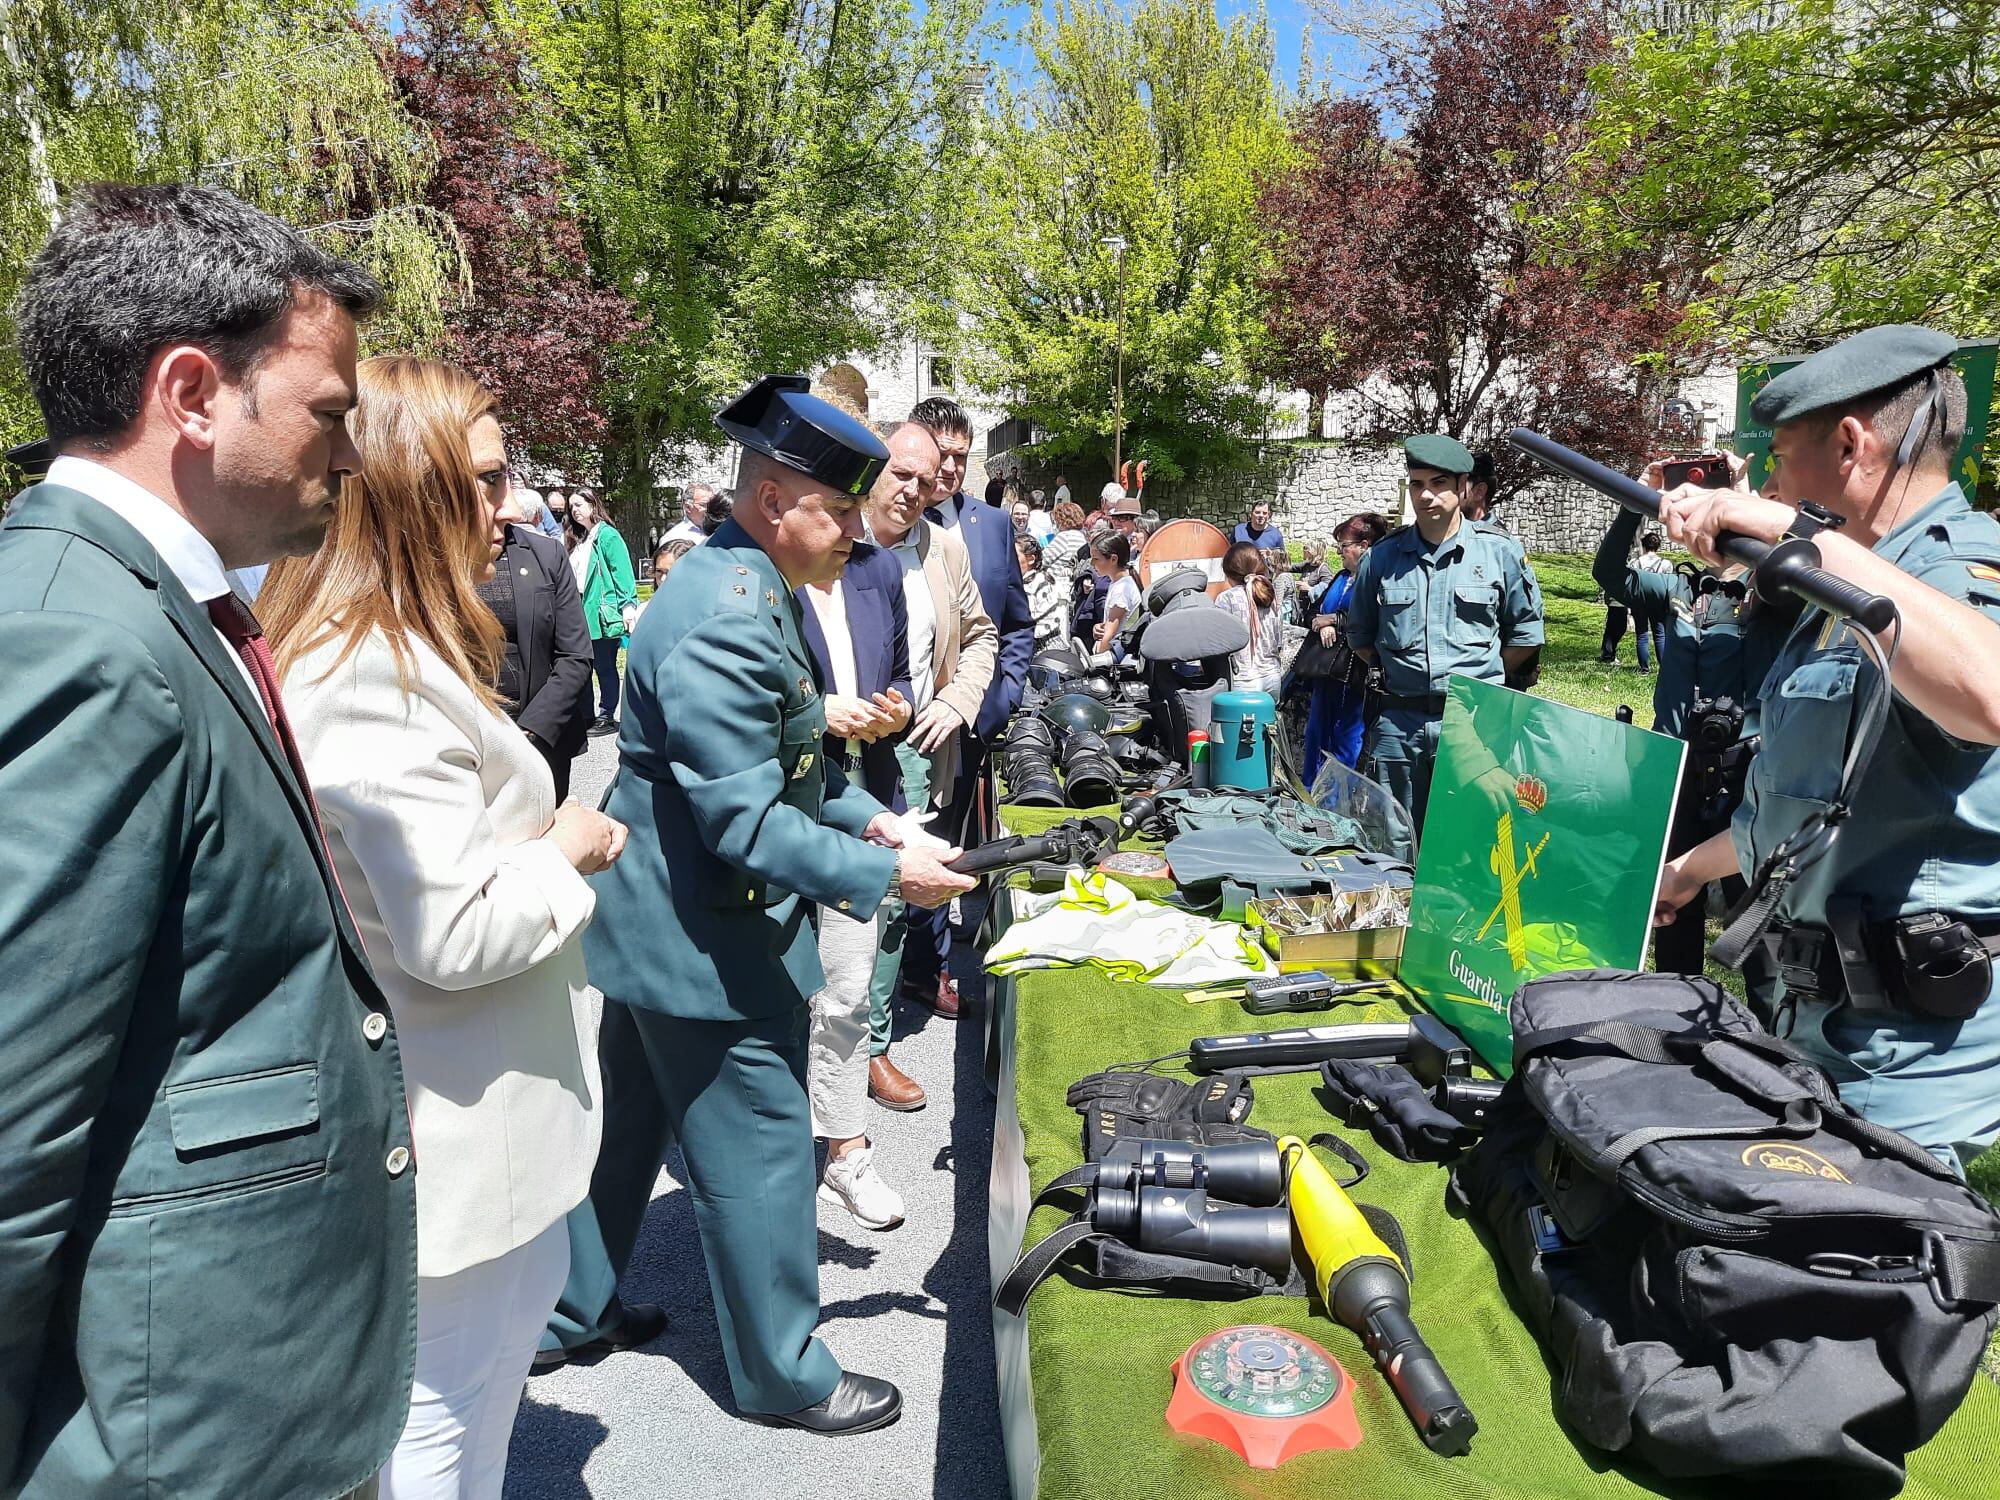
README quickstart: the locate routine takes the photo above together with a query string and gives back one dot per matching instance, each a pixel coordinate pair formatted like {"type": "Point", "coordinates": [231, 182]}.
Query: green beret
{"type": "Point", "coordinates": [1433, 450]}
{"type": "Point", "coordinates": [1869, 361]}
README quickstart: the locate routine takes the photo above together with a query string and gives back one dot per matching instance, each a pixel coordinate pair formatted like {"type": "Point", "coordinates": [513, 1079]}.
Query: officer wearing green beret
{"type": "Point", "coordinates": [740, 829]}
{"type": "Point", "coordinates": [1883, 931]}
{"type": "Point", "coordinates": [1441, 596]}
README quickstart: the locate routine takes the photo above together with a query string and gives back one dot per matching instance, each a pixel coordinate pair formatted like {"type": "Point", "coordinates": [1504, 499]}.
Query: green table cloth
{"type": "Point", "coordinates": [1086, 1390]}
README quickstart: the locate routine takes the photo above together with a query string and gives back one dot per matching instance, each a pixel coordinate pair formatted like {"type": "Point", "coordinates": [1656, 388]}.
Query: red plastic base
{"type": "Point", "coordinates": [1264, 1442]}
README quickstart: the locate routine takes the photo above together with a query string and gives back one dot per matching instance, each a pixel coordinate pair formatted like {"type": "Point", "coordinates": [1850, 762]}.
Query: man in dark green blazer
{"type": "Point", "coordinates": [704, 930]}
{"type": "Point", "coordinates": [207, 1211]}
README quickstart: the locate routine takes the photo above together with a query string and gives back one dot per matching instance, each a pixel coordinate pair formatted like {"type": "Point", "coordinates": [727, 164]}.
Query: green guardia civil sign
{"type": "Point", "coordinates": [1541, 852]}
{"type": "Point", "coordinates": [1974, 363]}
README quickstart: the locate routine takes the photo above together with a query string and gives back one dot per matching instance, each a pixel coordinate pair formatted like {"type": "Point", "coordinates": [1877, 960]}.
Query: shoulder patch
{"type": "Point", "coordinates": [1982, 571]}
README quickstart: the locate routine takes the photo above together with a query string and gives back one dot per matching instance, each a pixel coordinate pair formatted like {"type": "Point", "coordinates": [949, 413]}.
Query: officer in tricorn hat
{"type": "Point", "coordinates": [705, 942]}
{"type": "Point", "coordinates": [1440, 596]}
{"type": "Point", "coordinates": [1884, 936]}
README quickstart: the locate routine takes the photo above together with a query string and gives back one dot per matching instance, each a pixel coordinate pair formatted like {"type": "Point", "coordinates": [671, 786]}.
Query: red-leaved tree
{"type": "Point", "coordinates": [1333, 300]}
{"type": "Point", "coordinates": [1410, 270]}
{"type": "Point", "coordinates": [538, 330]}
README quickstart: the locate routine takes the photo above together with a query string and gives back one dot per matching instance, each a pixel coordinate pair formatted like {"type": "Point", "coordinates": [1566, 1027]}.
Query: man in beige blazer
{"type": "Point", "coordinates": [954, 647]}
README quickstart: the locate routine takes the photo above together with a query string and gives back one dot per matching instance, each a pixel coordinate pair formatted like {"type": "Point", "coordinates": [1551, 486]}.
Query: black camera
{"type": "Point", "coordinates": [1714, 724]}
{"type": "Point", "coordinates": [1708, 471]}
{"type": "Point", "coordinates": [1729, 588]}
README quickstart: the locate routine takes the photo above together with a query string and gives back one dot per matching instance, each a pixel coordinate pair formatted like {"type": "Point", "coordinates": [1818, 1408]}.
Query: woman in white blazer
{"type": "Point", "coordinates": [467, 884]}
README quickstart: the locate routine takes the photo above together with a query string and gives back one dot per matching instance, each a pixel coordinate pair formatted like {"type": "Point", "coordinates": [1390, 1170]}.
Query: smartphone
{"type": "Point", "coordinates": [1708, 471]}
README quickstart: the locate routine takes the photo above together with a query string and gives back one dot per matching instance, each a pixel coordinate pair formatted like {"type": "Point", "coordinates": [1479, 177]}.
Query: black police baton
{"type": "Point", "coordinates": [1791, 567]}
{"type": "Point", "coordinates": [1079, 841]}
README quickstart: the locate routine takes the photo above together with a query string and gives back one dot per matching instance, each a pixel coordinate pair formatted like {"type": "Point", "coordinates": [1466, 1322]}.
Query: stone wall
{"type": "Point", "coordinates": [1312, 489]}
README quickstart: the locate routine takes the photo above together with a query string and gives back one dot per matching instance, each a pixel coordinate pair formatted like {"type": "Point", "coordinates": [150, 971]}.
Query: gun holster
{"type": "Point", "coordinates": [1930, 964]}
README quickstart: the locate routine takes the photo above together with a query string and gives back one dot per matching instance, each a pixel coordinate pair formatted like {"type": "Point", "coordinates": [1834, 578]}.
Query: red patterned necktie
{"type": "Point", "coordinates": [240, 628]}
{"type": "Point", "coordinates": [233, 618]}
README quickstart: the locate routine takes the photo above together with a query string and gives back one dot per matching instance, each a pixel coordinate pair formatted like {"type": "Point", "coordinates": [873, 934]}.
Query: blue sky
{"type": "Point", "coordinates": [1289, 19]}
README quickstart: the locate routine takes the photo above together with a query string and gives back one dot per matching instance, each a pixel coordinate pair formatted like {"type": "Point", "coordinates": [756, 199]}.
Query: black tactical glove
{"type": "Point", "coordinates": [1385, 1100]}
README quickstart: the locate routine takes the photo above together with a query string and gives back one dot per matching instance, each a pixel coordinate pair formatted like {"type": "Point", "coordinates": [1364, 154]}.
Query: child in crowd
{"type": "Point", "coordinates": [1111, 557]}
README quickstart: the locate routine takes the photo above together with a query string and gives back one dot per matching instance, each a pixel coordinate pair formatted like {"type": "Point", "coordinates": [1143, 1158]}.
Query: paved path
{"type": "Point", "coordinates": [909, 1305]}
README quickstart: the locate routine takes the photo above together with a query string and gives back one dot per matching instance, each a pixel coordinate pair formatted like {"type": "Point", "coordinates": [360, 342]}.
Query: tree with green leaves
{"type": "Point", "coordinates": [768, 182]}
{"type": "Point", "coordinates": [1841, 161]}
{"type": "Point", "coordinates": [283, 102]}
{"type": "Point", "coordinates": [1153, 125]}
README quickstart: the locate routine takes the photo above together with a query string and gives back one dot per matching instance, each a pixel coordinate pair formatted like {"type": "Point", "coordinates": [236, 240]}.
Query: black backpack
{"type": "Point", "coordinates": [1732, 1271]}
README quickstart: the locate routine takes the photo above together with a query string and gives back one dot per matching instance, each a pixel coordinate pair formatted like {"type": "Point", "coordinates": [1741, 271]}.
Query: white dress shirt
{"type": "Point", "coordinates": [830, 605]}
{"type": "Point", "coordinates": [922, 611]}
{"type": "Point", "coordinates": [684, 531]}
{"type": "Point", "coordinates": [189, 555]}
{"type": "Point", "coordinates": [948, 513]}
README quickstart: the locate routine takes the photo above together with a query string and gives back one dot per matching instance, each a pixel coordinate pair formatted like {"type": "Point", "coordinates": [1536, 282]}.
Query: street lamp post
{"type": "Point", "coordinates": [1116, 243]}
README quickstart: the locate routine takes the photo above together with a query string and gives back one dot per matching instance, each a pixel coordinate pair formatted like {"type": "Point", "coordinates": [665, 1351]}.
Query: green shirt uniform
{"type": "Point", "coordinates": [1925, 837]}
{"type": "Point", "coordinates": [1924, 834]}
{"type": "Point", "coordinates": [1431, 612]}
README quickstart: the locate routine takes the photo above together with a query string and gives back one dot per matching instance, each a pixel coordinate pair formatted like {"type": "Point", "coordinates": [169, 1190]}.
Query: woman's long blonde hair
{"type": "Point", "coordinates": [409, 540]}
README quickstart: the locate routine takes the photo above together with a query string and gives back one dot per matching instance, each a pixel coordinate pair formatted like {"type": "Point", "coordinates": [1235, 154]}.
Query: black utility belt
{"type": "Point", "coordinates": [1429, 703]}
{"type": "Point", "coordinates": [1931, 964]}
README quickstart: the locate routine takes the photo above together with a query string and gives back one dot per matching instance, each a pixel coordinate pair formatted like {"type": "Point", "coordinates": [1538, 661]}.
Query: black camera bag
{"type": "Point", "coordinates": [1732, 1272]}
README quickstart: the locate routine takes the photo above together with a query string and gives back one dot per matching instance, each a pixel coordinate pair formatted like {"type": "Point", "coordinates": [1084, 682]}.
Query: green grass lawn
{"type": "Point", "coordinates": [1571, 672]}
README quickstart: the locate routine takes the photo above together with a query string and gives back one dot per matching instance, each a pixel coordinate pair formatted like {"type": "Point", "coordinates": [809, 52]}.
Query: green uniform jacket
{"type": "Point", "coordinates": [609, 588]}
{"type": "Point", "coordinates": [207, 1211]}
{"type": "Point", "coordinates": [739, 826]}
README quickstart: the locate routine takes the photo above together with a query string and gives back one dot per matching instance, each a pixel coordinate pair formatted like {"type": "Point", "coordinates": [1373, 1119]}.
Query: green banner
{"type": "Point", "coordinates": [1974, 363]}
{"type": "Point", "coordinates": [1541, 852]}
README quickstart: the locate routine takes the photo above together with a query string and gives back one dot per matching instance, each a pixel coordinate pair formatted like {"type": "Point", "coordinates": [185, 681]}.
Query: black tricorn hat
{"type": "Point", "coordinates": [33, 458]}
{"type": "Point", "coordinates": [781, 418]}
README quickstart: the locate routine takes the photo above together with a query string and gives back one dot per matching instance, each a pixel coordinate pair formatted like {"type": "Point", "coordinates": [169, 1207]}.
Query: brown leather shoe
{"type": "Point", "coordinates": [892, 1088]}
{"type": "Point", "coordinates": [941, 1000]}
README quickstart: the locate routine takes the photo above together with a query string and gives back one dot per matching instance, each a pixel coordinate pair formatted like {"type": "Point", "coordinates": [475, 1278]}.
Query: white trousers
{"type": "Point", "coordinates": [837, 1053]}
{"type": "Point", "coordinates": [476, 1335]}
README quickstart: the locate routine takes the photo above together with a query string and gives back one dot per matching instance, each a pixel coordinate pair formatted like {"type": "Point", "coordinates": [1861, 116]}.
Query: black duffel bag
{"type": "Point", "coordinates": [1732, 1271]}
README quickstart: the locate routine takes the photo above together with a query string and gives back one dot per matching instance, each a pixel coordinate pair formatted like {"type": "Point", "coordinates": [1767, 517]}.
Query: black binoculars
{"type": "Point", "coordinates": [1242, 1171]}
{"type": "Point", "coordinates": [1154, 1196]}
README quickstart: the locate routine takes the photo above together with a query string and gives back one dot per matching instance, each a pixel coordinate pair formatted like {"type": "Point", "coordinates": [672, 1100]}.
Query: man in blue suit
{"type": "Point", "coordinates": [988, 535]}
{"type": "Point", "coordinates": [740, 829]}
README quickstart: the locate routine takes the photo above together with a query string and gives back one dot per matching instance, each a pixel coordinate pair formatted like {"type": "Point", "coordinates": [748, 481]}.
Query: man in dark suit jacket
{"type": "Point", "coordinates": [207, 1208]}
{"type": "Point", "coordinates": [545, 679]}
{"type": "Point", "coordinates": [878, 630]}
{"type": "Point", "coordinates": [867, 611]}
{"type": "Point", "coordinates": [988, 535]}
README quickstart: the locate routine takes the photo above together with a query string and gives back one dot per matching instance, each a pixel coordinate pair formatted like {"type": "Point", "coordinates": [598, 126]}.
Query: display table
{"type": "Point", "coordinates": [1085, 1375]}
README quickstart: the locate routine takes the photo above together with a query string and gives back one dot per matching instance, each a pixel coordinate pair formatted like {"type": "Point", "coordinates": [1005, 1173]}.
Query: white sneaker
{"type": "Point", "coordinates": [853, 1183]}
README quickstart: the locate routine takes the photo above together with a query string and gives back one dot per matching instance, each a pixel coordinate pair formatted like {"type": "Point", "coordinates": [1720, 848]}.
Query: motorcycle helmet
{"type": "Point", "coordinates": [1074, 711]}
